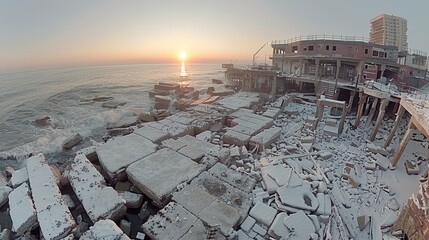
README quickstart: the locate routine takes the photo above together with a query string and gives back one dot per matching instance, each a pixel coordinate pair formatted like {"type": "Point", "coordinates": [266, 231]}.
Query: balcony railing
{"type": "Point", "coordinates": [321, 37]}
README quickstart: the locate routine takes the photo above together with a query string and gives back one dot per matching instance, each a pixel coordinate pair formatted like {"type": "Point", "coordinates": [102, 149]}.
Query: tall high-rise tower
{"type": "Point", "coordinates": [389, 30]}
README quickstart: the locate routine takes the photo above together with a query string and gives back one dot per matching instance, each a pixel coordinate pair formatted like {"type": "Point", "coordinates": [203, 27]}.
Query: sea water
{"type": "Point", "coordinates": [60, 94]}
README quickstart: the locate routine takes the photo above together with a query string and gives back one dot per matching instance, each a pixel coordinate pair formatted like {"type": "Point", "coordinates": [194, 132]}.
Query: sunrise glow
{"type": "Point", "coordinates": [182, 55]}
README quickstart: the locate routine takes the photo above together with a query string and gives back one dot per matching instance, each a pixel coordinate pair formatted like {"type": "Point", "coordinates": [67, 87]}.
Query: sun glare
{"type": "Point", "coordinates": [183, 55]}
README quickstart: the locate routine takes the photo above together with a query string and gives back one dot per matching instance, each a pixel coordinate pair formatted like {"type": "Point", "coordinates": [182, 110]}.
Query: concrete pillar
{"type": "Point", "coordinates": [399, 115]}
{"type": "Point", "coordinates": [337, 73]}
{"type": "Point", "coordinates": [403, 144]}
{"type": "Point", "coordinates": [274, 86]}
{"type": "Point", "coordinates": [319, 114]}
{"type": "Point", "coordinates": [380, 116]}
{"type": "Point", "coordinates": [362, 100]}
{"type": "Point", "coordinates": [383, 68]}
{"type": "Point", "coordinates": [351, 99]}
{"type": "Point", "coordinates": [301, 66]}
{"type": "Point", "coordinates": [343, 118]}
{"type": "Point", "coordinates": [290, 67]}
{"type": "Point", "coordinates": [317, 68]}
{"type": "Point", "coordinates": [371, 112]}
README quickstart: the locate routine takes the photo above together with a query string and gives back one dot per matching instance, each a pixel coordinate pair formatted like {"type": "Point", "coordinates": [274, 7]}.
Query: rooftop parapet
{"type": "Point", "coordinates": [322, 37]}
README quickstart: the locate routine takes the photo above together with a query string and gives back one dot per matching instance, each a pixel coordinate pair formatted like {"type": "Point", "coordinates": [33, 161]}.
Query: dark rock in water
{"type": "Point", "coordinates": [71, 142]}
{"type": "Point", "coordinates": [43, 121]}
{"type": "Point", "coordinates": [102, 99]}
{"type": "Point", "coordinates": [112, 104]}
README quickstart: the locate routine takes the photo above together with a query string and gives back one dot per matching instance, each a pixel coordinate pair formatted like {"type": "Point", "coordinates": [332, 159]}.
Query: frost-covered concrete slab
{"type": "Point", "coordinates": [235, 138]}
{"type": "Point", "coordinates": [174, 129]}
{"type": "Point", "coordinates": [55, 219]}
{"type": "Point", "coordinates": [207, 207]}
{"type": "Point", "coordinates": [266, 137]}
{"type": "Point", "coordinates": [172, 222]}
{"type": "Point", "coordinates": [158, 174]}
{"type": "Point", "coordinates": [117, 154]}
{"type": "Point", "coordinates": [99, 201]}
{"type": "Point", "coordinates": [272, 112]}
{"type": "Point", "coordinates": [239, 100]}
{"type": "Point", "coordinates": [233, 196]}
{"type": "Point", "coordinates": [22, 210]}
{"type": "Point", "coordinates": [153, 134]}
{"type": "Point", "coordinates": [18, 177]}
{"type": "Point", "coordinates": [104, 229]}
{"type": "Point", "coordinates": [234, 178]}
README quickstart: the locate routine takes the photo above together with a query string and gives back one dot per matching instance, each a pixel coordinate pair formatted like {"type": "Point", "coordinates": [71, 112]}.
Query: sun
{"type": "Point", "coordinates": [182, 55]}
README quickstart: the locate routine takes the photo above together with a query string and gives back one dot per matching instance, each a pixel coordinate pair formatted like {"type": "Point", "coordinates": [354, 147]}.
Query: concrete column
{"type": "Point", "coordinates": [351, 99]}
{"type": "Point", "coordinates": [399, 115]}
{"type": "Point", "coordinates": [371, 112]}
{"type": "Point", "coordinates": [343, 118]}
{"type": "Point", "coordinates": [338, 69]}
{"type": "Point", "coordinates": [383, 68]}
{"type": "Point", "coordinates": [301, 66]}
{"type": "Point", "coordinates": [274, 86]}
{"type": "Point", "coordinates": [317, 68]}
{"type": "Point", "coordinates": [362, 100]}
{"type": "Point", "coordinates": [319, 114]}
{"type": "Point", "coordinates": [403, 144]}
{"type": "Point", "coordinates": [380, 116]}
{"type": "Point", "coordinates": [290, 67]}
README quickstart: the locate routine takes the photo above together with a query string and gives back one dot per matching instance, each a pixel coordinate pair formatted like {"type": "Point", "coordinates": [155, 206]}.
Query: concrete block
{"type": "Point", "coordinates": [22, 210]}
{"type": "Point", "coordinates": [263, 213]}
{"type": "Point", "coordinates": [18, 177]}
{"type": "Point", "coordinates": [153, 134]}
{"type": "Point", "coordinates": [119, 153]}
{"type": "Point", "coordinates": [277, 229]}
{"type": "Point", "coordinates": [248, 223]}
{"type": "Point", "coordinates": [104, 229]}
{"type": "Point", "coordinates": [171, 222]}
{"type": "Point", "coordinates": [55, 219]}
{"type": "Point", "coordinates": [132, 200]}
{"type": "Point", "coordinates": [234, 178]}
{"type": "Point", "coordinates": [153, 174]}
{"type": "Point", "coordinates": [265, 138]}
{"type": "Point", "coordinates": [89, 184]}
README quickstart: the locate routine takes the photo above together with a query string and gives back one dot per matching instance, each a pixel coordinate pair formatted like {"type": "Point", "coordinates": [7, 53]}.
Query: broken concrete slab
{"type": "Point", "coordinates": [18, 177]}
{"type": "Point", "coordinates": [193, 152]}
{"type": "Point", "coordinates": [263, 213]}
{"type": "Point", "coordinates": [265, 138]}
{"type": "Point", "coordinates": [196, 232]}
{"type": "Point", "coordinates": [72, 141]}
{"type": "Point", "coordinates": [331, 131]}
{"type": "Point", "coordinates": [153, 174]}
{"type": "Point", "coordinates": [382, 161]}
{"type": "Point", "coordinates": [234, 178]}
{"type": "Point", "coordinates": [272, 112]}
{"type": "Point", "coordinates": [4, 194]}
{"type": "Point", "coordinates": [411, 168]}
{"type": "Point", "coordinates": [153, 134]}
{"type": "Point", "coordinates": [119, 153]}
{"type": "Point", "coordinates": [173, 144]}
{"type": "Point", "coordinates": [300, 225]}
{"type": "Point", "coordinates": [132, 200]}
{"type": "Point", "coordinates": [171, 222]}
{"type": "Point", "coordinates": [22, 210]}
{"type": "Point", "coordinates": [247, 224]}
{"type": "Point", "coordinates": [303, 197]}
{"type": "Point", "coordinates": [174, 129]}
{"type": "Point", "coordinates": [370, 147]}
{"type": "Point", "coordinates": [277, 229]}
{"type": "Point", "coordinates": [207, 207]}
{"type": "Point", "coordinates": [104, 229]}
{"type": "Point", "coordinates": [236, 138]}
{"type": "Point", "coordinates": [89, 184]}
{"type": "Point", "coordinates": [231, 195]}
{"type": "Point", "coordinates": [55, 219]}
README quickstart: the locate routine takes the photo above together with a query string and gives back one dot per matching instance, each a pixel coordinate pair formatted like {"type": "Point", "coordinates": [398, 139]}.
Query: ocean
{"type": "Point", "coordinates": [58, 94]}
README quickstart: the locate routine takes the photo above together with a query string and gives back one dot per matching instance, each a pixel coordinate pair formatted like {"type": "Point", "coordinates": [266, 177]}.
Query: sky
{"type": "Point", "coordinates": [52, 34]}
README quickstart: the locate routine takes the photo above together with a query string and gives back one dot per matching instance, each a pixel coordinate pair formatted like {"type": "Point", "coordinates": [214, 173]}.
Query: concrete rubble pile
{"type": "Point", "coordinates": [239, 168]}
